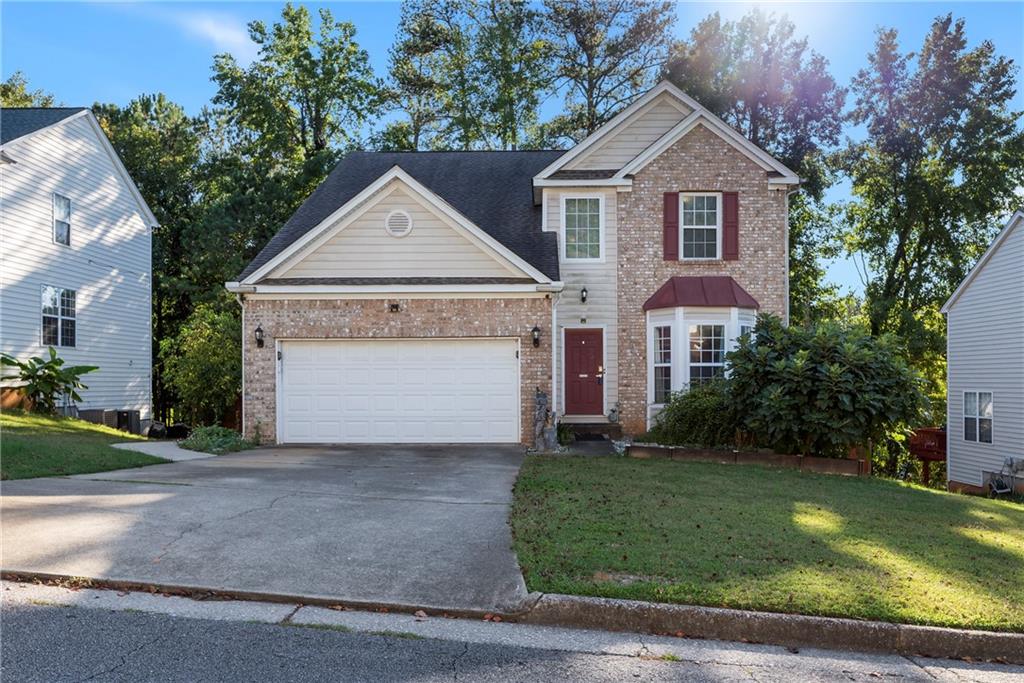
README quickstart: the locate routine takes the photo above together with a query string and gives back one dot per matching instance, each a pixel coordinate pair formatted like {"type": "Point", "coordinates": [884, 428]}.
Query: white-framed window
{"type": "Point", "coordinates": [978, 416]}
{"type": "Point", "coordinates": [662, 363]}
{"type": "Point", "coordinates": [583, 228]}
{"type": "Point", "coordinates": [700, 226]}
{"type": "Point", "coordinates": [61, 219]}
{"type": "Point", "coordinates": [707, 352]}
{"type": "Point", "coordinates": [59, 320]}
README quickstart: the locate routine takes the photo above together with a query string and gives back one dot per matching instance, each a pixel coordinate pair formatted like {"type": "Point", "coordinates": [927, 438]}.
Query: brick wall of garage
{"type": "Point", "coordinates": [371, 318]}
{"type": "Point", "coordinates": [701, 161]}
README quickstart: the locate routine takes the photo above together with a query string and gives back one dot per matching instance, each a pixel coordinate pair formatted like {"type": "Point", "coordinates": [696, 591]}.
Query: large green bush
{"type": "Point", "coordinates": [701, 416]}
{"type": "Point", "coordinates": [203, 364]}
{"type": "Point", "coordinates": [215, 439]}
{"type": "Point", "coordinates": [45, 381]}
{"type": "Point", "coordinates": [820, 390]}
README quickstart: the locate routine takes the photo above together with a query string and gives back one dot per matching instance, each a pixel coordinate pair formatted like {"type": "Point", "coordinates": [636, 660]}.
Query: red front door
{"type": "Point", "coordinates": [584, 372]}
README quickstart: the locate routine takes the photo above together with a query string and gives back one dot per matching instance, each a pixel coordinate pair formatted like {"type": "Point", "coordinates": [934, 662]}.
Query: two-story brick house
{"type": "Point", "coordinates": [426, 296]}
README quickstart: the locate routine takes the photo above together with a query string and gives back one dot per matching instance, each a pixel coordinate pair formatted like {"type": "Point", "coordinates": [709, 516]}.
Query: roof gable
{"type": "Point", "coordinates": [693, 113]}
{"type": "Point", "coordinates": [489, 189]}
{"type": "Point", "coordinates": [1015, 221]}
{"type": "Point", "coordinates": [357, 245]}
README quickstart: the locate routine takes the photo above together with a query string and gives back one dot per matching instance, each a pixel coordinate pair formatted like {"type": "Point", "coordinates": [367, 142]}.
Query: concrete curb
{"type": "Point", "coordinates": [207, 593]}
{"type": "Point", "coordinates": [789, 630]}
{"type": "Point", "coordinates": [607, 614]}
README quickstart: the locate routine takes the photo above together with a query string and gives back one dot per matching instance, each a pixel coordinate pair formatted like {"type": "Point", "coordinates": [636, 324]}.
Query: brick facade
{"type": "Point", "coordinates": [371, 318]}
{"type": "Point", "coordinates": [701, 161]}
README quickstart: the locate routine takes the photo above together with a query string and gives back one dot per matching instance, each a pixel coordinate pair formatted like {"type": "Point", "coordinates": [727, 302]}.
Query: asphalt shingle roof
{"type": "Point", "coordinates": [17, 122]}
{"type": "Point", "coordinates": [492, 189]}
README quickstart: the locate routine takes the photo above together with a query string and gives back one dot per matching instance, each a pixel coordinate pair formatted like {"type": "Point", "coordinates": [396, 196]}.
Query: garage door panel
{"type": "Point", "coordinates": [400, 391]}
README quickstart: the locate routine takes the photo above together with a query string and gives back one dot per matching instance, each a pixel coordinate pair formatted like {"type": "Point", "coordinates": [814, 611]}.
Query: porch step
{"type": "Point", "coordinates": [588, 431]}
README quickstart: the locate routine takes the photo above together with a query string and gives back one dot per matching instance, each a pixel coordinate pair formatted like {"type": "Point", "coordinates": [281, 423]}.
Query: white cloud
{"type": "Point", "coordinates": [225, 32]}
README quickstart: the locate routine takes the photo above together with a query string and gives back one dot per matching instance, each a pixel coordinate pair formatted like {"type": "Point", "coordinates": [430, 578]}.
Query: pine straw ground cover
{"type": "Point", "coordinates": [752, 537]}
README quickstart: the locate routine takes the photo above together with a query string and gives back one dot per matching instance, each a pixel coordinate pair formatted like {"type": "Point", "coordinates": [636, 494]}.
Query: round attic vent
{"type": "Point", "coordinates": [398, 224]}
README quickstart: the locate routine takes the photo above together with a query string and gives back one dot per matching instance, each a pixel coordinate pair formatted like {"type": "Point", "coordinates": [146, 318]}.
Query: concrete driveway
{"type": "Point", "coordinates": [420, 525]}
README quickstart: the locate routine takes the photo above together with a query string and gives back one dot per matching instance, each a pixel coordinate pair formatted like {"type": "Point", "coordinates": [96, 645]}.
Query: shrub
{"type": "Point", "coordinates": [47, 380]}
{"type": "Point", "coordinates": [701, 416]}
{"type": "Point", "coordinates": [203, 364]}
{"type": "Point", "coordinates": [820, 390]}
{"type": "Point", "coordinates": [216, 440]}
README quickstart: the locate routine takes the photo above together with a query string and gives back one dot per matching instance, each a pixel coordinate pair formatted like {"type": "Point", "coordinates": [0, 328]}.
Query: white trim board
{"type": "Point", "coordinates": [1013, 222]}
{"type": "Point", "coordinates": [341, 217]}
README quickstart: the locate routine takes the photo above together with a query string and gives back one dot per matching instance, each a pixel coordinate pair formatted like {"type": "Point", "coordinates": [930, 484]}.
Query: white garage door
{"type": "Point", "coordinates": [400, 391]}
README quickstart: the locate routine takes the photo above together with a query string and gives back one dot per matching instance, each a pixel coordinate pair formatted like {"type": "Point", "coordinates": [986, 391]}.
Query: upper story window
{"type": "Point", "coordinates": [583, 232]}
{"type": "Point", "coordinates": [978, 416]}
{"type": "Point", "coordinates": [58, 316]}
{"type": "Point", "coordinates": [700, 225]}
{"type": "Point", "coordinates": [707, 353]}
{"type": "Point", "coordinates": [61, 219]}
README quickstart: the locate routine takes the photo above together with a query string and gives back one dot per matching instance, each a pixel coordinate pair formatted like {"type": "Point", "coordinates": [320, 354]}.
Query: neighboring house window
{"type": "Point", "coordinates": [61, 219]}
{"type": "Point", "coordinates": [662, 363]}
{"type": "Point", "coordinates": [707, 353]}
{"type": "Point", "coordinates": [700, 223]}
{"type": "Point", "coordinates": [582, 227]}
{"type": "Point", "coordinates": [58, 316]}
{"type": "Point", "coordinates": [978, 416]}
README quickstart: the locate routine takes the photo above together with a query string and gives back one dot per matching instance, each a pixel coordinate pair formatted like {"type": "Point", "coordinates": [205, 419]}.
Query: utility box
{"type": "Point", "coordinates": [128, 421]}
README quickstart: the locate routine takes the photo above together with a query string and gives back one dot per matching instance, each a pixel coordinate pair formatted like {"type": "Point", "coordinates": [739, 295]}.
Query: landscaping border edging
{"type": "Point", "coordinates": [842, 466]}
{"type": "Point", "coordinates": [788, 630]}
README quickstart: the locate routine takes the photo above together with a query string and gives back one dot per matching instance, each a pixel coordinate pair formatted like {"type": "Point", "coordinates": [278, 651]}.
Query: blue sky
{"type": "Point", "coordinates": [112, 52]}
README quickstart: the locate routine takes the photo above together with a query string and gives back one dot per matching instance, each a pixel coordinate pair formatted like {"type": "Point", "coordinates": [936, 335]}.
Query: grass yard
{"type": "Point", "coordinates": [34, 445]}
{"type": "Point", "coordinates": [753, 537]}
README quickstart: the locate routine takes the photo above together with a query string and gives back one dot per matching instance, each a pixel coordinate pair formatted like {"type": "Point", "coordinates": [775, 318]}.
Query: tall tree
{"type": "Point", "coordinates": [942, 158]}
{"type": "Point", "coordinates": [513, 57]}
{"type": "Point", "coordinates": [305, 93]}
{"type": "Point", "coordinates": [14, 92]}
{"type": "Point", "coordinates": [606, 53]}
{"type": "Point", "coordinates": [277, 127]}
{"type": "Point", "coordinates": [416, 81]}
{"type": "Point", "coordinates": [462, 99]}
{"type": "Point", "coordinates": [161, 147]}
{"type": "Point", "coordinates": [761, 79]}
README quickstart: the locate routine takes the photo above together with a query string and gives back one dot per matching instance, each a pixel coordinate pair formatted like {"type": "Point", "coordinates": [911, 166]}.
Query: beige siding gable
{"type": "Point", "coordinates": [635, 136]}
{"type": "Point", "coordinates": [435, 247]}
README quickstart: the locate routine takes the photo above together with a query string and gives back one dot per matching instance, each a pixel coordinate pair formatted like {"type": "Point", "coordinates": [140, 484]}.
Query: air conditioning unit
{"type": "Point", "coordinates": [128, 421]}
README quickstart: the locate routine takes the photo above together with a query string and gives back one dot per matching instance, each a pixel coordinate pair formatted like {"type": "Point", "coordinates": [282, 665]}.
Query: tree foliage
{"type": "Point", "coordinates": [203, 363]}
{"type": "Point", "coordinates": [606, 53]}
{"type": "Point", "coordinates": [943, 157]}
{"type": "Point", "coordinates": [822, 389]}
{"type": "Point", "coordinates": [14, 92]}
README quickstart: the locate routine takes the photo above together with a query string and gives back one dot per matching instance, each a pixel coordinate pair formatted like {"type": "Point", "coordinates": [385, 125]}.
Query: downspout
{"type": "Point", "coordinates": [554, 357]}
{"type": "Point", "coordinates": [789, 194]}
{"type": "Point", "coordinates": [241, 302]}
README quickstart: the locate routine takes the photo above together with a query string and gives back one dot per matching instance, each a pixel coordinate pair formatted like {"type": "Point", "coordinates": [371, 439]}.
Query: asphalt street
{"type": "Point", "coordinates": [50, 642]}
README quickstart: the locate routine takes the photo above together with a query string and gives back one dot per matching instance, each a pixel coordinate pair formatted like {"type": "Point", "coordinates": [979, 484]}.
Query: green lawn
{"type": "Point", "coordinates": [34, 445]}
{"type": "Point", "coordinates": [753, 537]}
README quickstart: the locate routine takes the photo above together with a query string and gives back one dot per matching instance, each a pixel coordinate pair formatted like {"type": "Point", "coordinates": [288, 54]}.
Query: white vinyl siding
{"type": "Point", "coordinates": [107, 264]}
{"type": "Point", "coordinates": [599, 277]}
{"type": "Point", "coordinates": [634, 137]}
{"type": "Point", "coordinates": [364, 248]}
{"type": "Point", "coordinates": [986, 354]}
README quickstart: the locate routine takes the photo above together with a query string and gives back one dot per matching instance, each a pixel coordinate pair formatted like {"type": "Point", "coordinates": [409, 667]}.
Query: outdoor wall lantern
{"type": "Point", "coordinates": [583, 295]}
{"type": "Point", "coordinates": [258, 333]}
{"type": "Point", "coordinates": [536, 336]}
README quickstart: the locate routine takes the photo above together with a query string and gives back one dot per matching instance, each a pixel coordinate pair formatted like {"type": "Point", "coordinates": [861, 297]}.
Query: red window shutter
{"type": "Point", "coordinates": [731, 226]}
{"type": "Point", "coordinates": [670, 235]}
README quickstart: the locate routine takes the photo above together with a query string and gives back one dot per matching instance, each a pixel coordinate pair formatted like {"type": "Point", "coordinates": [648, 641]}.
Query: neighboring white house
{"type": "Point", "coordinates": [985, 356]}
{"type": "Point", "coordinates": [75, 254]}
